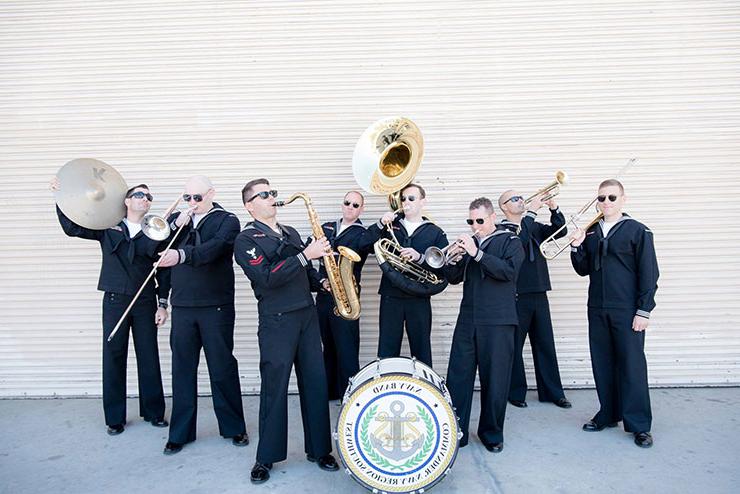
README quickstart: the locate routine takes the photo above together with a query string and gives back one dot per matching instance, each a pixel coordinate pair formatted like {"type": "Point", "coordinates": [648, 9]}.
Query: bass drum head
{"type": "Point", "coordinates": [396, 431]}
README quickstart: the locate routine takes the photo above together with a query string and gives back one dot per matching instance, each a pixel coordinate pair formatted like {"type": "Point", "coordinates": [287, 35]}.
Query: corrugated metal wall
{"type": "Point", "coordinates": [505, 93]}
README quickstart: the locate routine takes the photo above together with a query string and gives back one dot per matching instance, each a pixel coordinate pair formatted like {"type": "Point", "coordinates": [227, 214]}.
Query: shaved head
{"type": "Point", "coordinates": [199, 183]}
{"type": "Point", "coordinates": [505, 197]}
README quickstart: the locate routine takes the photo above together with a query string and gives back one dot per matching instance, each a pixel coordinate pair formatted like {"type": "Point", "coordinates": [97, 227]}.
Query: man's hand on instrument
{"type": "Point", "coordinates": [326, 285]}
{"type": "Point", "coordinates": [468, 244]}
{"type": "Point", "coordinates": [577, 238]}
{"type": "Point", "coordinates": [170, 257]}
{"type": "Point", "coordinates": [54, 184]}
{"type": "Point", "coordinates": [388, 218]}
{"type": "Point", "coordinates": [160, 317]}
{"type": "Point", "coordinates": [640, 323]}
{"type": "Point", "coordinates": [317, 249]}
{"type": "Point", "coordinates": [552, 203]}
{"type": "Point", "coordinates": [410, 254]}
{"type": "Point", "coordinates": [454, 254]}
{"type": "Point", "coordinates": [184, 217]}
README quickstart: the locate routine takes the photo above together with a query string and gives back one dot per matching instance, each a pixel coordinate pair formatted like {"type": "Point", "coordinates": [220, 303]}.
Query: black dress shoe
{"type": "Point", "coordinates": [592, 426]}
{"type": "Point", "coordinates": [240, 439]}
{"type": "Point", "coordinates": [114, 430]}
{"type": "Point", "coordinates": [562, 403]}
{"type": "Point", "coordinates": [172, 448]}
{"type": "Point", "coordinates": [494, 447]}
{"type": "Point", "coordinates": [326, 462]}
{"type": "Point", "coordinates": [159, 423]}
{"type": "Point", "coordinates": [518, 403]}
{"type": "Point", "coordinates": [260, 472]}
{"type": "Point", "coordinates": [644, 439]}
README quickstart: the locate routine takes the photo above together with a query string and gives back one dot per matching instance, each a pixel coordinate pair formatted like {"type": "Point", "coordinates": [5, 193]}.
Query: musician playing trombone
{"type": "Point", "coordinates": [487, 263]}
{"type": "Point", "coordinates": [618, 256]}
{"type": "Point", "coordinates": [127, 258]}
{"type": "Point", "coordinates": [405, 302]}
{"type": "Point", "coordinates": [532, 305]}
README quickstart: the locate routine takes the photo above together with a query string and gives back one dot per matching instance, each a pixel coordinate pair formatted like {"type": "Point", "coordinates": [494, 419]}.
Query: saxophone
{"type": "Point", "coordinates": [341, 276]}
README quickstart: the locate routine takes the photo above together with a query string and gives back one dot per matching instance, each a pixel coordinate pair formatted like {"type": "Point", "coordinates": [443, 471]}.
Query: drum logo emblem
{"type": "Point", "coordinates": [404, 438]}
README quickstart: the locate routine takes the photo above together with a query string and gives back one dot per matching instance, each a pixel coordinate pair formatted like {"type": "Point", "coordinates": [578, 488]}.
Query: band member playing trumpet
{"type": "Point", "coordinates": [618, 256]}
{"type": "Point", "coordinates": [341, 337]}
{"type": "Point", "coordinates": [532, 305]}
{"type": "Point", "coordinates": [487, 264]}
{"type": "Point", "coordinates": [278, 265]}
{"type": "Point", "coordinates": [203, 316]}
{"type": "Point", "coordinates": [398, 305]}
{"type": "Point", "coordinates": [127, 258]}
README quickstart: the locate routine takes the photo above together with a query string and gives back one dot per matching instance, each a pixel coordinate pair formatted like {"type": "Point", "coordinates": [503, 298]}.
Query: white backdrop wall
{"type": "Point", "coordinates": [505, 92]}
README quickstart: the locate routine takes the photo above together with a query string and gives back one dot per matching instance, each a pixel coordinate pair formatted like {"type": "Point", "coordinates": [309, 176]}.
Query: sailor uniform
{"type": "Point", "coordinates": [340, 337]}
{"type": "Point", "coordinates": [623, 272]}
{"type": "Point", "coordinates": [397, 304]}
{"type": "Point", "coordinates": [203, 317]}
{"type": "Point", "coordinates": [485, 331]}
{"type": "Point", "coordinates": [533, 309]}
{"type": "Point", "coordinates": [288, 334]}
{"type": "Point", "coordinates": [126, 263]}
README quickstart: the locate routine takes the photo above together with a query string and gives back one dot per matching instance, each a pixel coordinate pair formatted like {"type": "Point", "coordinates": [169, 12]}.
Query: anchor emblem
{"type": "Point", "coordinates": [397, 438]}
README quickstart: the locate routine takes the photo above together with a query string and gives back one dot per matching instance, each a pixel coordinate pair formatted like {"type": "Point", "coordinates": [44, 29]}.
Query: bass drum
{"type": "Point", "coordinates": [397, 430]}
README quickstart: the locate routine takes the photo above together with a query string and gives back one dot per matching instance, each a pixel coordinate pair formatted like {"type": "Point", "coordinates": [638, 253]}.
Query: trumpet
{"type": "Point", "coordinates": [550, 190]}
{"type": "Point", "coordinates": [436, 257]}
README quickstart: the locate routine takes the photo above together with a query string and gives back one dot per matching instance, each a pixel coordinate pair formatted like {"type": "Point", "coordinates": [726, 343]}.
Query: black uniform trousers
{"type": "Point", "coordinates": [620, 369]}
{"type": "Point", "coordinates": [140, 321]}
{"type": "Point", "coordinates": [341, 341]}
{"type": "Point", "coordinates": [417, 314]}
{"type": "Point", "coordinates": [533, 310]}
{"type": "Point", "coordinates": [490, 348]}
{"type": "Point", "coordinates": [284, 339]}
{"type": "Point", "coordinates": [212, 329]}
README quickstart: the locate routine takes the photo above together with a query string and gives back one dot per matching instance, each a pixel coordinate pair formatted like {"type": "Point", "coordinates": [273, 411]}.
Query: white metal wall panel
{"type": "Point", "coordinates": [505, 92]}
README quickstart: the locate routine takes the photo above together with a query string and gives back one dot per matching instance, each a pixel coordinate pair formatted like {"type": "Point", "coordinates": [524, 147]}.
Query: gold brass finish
{"type": "Point", "coordinates": [551, 190]}
{"type": "Point", "coordinates": [341, 277]}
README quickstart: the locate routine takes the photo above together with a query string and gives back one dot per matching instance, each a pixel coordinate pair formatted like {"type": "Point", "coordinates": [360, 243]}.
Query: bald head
{"type": "Point", "coordinates": [511, 204]}
{"type": "Point", "coordinates": [505, 197]}
{"type": "Point", "coordinates": [199, 187]}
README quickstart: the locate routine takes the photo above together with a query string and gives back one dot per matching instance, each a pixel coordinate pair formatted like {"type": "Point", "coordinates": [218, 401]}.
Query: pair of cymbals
{"type": "Point", "coordinates": [91, 193]}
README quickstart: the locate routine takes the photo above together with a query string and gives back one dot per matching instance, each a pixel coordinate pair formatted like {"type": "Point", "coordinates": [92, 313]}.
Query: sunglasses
{"type": "Point", "coordinates": [514, 199]}
{"type": "Point", "coordinates": [354, 204]}
{"type": "Point", "coordinates": [195, 197]}
{"type": "Point", "coordinates": [480, 221]}
{"type": "Point", "coordinates": [408, 198]}
{"type": "Point", "coordinates": [263, 195]}
{"type": "Point", "coordinates": [612, 198]}
{"type": "Point", "coordinates": [141, 195]}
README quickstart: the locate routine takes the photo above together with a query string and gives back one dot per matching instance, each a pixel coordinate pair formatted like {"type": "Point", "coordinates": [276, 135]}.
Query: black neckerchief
{"type": "Point", "coordinates": [603, 246]}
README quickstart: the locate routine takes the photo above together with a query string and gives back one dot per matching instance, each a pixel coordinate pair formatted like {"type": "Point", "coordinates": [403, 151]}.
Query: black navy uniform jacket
{"type": "Point", "coordinates": [205, 277]}
{"type": "Point", "coordinates": [352, 237]}
{"type": "Point", "coordinates": [534, 277]}
{"type": "Point", "coordinates": [489, 278]}
{"type": "Point", "coordinates": [281, 276]}
{"type": "Point", "coordinates": [623, 268]}
{"type": "Point", "coordinates": [425, 235]}
{"type": "Point", "coordinates": [126, 261]}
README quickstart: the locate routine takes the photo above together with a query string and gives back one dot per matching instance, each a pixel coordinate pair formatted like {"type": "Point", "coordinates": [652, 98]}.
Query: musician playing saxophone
{"type": "Point", "coordinates": [401, 303]}
{"type": "Point", "coordinates": [278, 265]}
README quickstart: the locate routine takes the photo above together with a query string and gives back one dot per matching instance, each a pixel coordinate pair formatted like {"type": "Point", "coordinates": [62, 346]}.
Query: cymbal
{"type": "Point", "coordinates": [91, 193]}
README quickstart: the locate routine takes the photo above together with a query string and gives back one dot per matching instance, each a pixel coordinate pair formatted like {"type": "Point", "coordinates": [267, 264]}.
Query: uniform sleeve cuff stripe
{"type": "Point", "coordinates": [479, 255]}
{"type": "Point", "coordinates": [302, 259]}
{"type": "Point", "coordinates": [643, 313]}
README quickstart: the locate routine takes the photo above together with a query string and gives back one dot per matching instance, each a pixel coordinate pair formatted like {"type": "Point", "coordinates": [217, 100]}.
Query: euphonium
{"type": "Point", "coordinates": [341, 276]}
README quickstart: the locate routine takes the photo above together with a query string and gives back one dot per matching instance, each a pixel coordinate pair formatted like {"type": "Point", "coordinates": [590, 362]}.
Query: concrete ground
{"type": "Point", "coordinates": [60, 446]}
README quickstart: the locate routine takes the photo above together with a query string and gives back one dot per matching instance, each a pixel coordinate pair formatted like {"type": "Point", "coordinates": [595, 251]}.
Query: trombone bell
{"type": "Point", "coordinates": [155, 227]}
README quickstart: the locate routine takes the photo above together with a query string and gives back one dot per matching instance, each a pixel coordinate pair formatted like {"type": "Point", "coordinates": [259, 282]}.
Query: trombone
{"type": "Point", "coordinates": [552, 247]}
{"type": "Point", "coordinates": [156, 228]}
{"type": "Point", "coordinates": [550, 190]}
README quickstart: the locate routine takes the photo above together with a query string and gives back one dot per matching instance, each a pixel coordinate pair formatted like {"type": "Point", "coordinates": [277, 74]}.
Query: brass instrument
{"type": "Point", "coordinates": [552, 247]}
{"type": "Point", "coordinates": [551, 190]}
{"type": "Point", "coordinates": [341, 277]}
{"type": "Point", "coordinates": [385, 160]}
{"type": "Point", "coordinates": [156, 227]}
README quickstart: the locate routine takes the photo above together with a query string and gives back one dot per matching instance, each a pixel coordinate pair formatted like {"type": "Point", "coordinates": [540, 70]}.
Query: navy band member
{"type": "Point", "coordinates": [128, 256]}
{"type": "Point", "coordinates": [203, 316]}
{"type": "Point", "coordinates": [278, 265]}
{"type": "Point", "coordinates": [487, 265]}
{"type": "Point", "coordinates": [532, 305]}
{"type": "Point", "coordinates": [340, 337]}
{"type": "Point", "coordinates": [415, 233]}
{"type": "Point", "coordinates": [618, 255]}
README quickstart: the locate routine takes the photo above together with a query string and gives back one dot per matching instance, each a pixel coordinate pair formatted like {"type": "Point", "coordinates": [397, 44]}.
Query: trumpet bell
{"type": "Point", "coordinates": [155, 227]}
{"type": "Point", "coordinates": [388, 155]}
{"type": "Point", "coordinates": [435, 257]}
